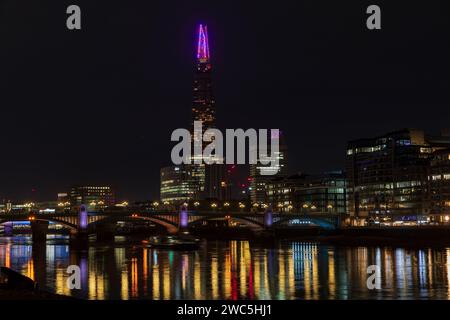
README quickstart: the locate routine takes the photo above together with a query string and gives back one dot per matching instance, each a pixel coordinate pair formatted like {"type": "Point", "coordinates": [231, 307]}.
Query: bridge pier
{"type": "Point", "coordinates": [80, 237]}
{"type": "Point", "coordinates": [39, 259]}
{"type": "Point", "coordinates": [105, 232]}
{"type": "Point", "coordinates": [268, 218]}
{"type": "Point", "coordinates": [39, 230]}
{"type": "Point", "coordinates": [8, 229]}
{"type": "Point", "coordinates": [183, 219]}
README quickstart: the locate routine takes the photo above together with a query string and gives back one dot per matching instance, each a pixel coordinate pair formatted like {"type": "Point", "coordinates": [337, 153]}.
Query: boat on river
{"type": "Point", "coordinates": [174, 242]}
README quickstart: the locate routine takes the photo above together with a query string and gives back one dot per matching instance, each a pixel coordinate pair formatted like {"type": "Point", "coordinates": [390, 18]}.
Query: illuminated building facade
{"type": "Point", "coordinates": [63, 202]}
{"type": "Point", "coordinates": [259, 173]}
{"type": "Point", "coordinates": [324, 193]}
{"type": "Point", "coordinates": [439, 180]}
{"type": "Point", "coordinates": [209, 178]}
{"type": "Point", "coordinates": [388, 175]}
{"type": "Point", "coordinates": [177, 184]}
{"type": "Point", "coordinates": [97, 198]}
{"type": "Point", "coordinates": [203, 105]}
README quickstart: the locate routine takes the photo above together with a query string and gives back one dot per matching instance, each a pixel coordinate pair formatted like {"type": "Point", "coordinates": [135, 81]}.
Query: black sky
{"type": "Point", "coordinates": [99, 105]}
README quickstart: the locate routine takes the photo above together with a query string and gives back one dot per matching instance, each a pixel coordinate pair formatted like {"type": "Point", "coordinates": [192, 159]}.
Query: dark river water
{"type": "Point", "coordinates": [232, 269]}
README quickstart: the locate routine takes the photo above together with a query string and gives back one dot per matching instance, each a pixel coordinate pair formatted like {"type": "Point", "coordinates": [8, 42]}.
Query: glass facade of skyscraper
{"type": "Point", "coordinates": [388, 175]}
{"type": "Point", "coordinates": [439, 181]}
{"type": "Point", "coordinates": [177, 184]}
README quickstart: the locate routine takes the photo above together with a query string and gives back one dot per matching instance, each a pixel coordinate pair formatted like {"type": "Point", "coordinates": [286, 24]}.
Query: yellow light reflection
{"type": "Point", "coordinates": [214, 278]}
{"type": "Point", "coordinates": [155, 282]}
{"type": "Point", "coordinates": [134, 277]}
{"type": "Point", "coordinates": [145, 268]}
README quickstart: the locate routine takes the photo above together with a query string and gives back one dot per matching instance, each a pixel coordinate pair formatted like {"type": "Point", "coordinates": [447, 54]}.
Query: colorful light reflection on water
{"type": "Point", "coordinates": [233, 270]}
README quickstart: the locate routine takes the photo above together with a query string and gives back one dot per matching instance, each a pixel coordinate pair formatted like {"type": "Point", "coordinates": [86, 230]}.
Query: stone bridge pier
{"type": "Point", "coordinates": [183, 219]}
{"type": "Point", "coordinates": [79, 237]}
{"type": "Point", "coordinates": [39, 230]}
{"type": "Point", "coordinates": [268, 218]}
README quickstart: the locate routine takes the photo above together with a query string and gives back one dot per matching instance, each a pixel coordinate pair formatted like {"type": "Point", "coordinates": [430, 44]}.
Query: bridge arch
{"type": "Point", "coordinates": [67, 224]}
{"type": "Point", "coordinates": [252, 224]}
{"type": "Point", "coordinates": [170, 226]}
{"type": "Point", "coordinates": [320, 222]}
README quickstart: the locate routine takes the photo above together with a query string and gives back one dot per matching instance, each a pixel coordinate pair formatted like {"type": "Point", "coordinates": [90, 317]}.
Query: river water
{"type": "Point", "coordinates": [234, 269]}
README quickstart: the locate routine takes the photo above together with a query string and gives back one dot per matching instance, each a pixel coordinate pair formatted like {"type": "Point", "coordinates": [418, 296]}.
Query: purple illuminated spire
{"type": "Point", "coordinates": [203, 47]}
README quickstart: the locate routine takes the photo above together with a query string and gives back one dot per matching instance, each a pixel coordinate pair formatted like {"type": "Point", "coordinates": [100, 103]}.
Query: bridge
{"type": "Point", "coordinates": [82, 223]}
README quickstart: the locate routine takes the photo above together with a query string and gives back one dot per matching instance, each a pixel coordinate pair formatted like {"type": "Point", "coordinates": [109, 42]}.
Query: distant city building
{"type": "Point", "coordinates": [63, 202]}
{"type": "Point", "coordinates": [95, 197]}
{"type": "Point", "coordinates": [19, 207]}
{"type": "Point", "coordinates": [259, 173]}
{"type": "Point", "coordinates": [208, 178]}
{"type": "Point", "coordinates": [5, 206]}
{"type": "Point", "coordinates": [203, 105]}
{"type": "Point", "coordinates": [323, 193]}
{"type": "Point", "coordinates": [202, 181]}
{"type": "Point", "coordinates": [439, 180]}
{"type": "Point", "coordinates": [177, 184]}
{"type": "Point", "coordinates": [388, 175]}
{"type": "Point", "coordinates": [63, 197]}
{"type": "Point", "coordinates": [45, 206]}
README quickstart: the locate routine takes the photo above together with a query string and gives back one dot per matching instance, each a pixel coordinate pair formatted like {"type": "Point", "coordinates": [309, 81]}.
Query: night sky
{"type": "Point", "coordinates": [97, 106]}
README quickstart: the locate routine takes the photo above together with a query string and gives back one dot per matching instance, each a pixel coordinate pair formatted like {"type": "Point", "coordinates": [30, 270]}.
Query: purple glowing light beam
{"type": "Point", "coordinates": [203, 46]}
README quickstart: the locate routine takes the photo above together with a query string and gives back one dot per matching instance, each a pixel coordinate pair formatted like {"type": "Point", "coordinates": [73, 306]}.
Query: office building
{"type": "Point", "coordinates": [97, 198]}
{"type": "Point", "coordinates": [309, 194]}
{"type": "Point", "coordinates": [262, 174]}
{"type": "Point", "coordinates": [439, 182]}
{"type": "Point", "coordinates": [177, 185]}
{"type": "Point", "coordinates": [388, 175]}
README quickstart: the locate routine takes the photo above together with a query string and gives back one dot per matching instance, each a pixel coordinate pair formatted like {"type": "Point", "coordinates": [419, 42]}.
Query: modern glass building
{"type": "Point", "coordinates": [203, 104]}
{"type": "Point", "coordinates": [177, 184]}
{"type": "Point", "coordinates": [261, 175]}
{"type": "Point", "coordinates": [208, 177]}
{"type": "Point", "coordinates": [388, 175]}
{"type": "Point", "coordinates": [439, 181]}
